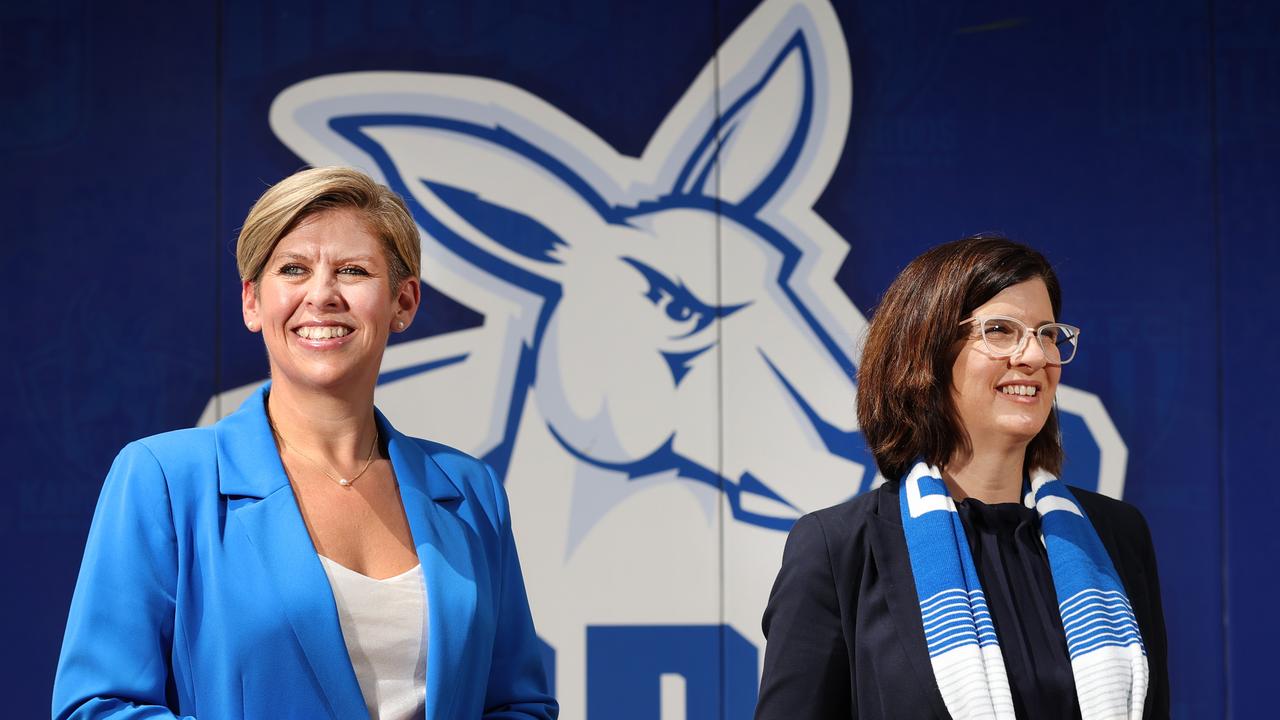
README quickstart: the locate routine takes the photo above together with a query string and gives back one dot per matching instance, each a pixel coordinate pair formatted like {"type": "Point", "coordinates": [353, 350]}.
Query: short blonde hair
{"type": "Point", "coordinates": [308, 192]}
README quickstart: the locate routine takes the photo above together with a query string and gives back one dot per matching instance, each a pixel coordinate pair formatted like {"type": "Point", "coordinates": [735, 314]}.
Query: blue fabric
{"type": "Point", "coordinates": [201, 595]}
{"type": "Point", "coordinates": [1087, 584]}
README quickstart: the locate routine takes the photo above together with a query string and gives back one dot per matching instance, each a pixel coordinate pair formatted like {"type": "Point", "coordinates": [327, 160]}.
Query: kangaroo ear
{"type": "Point", "coordinates": [784, 99]}
{"type": "Point", "coordinates": [758, 140]}
{"type": "Point", "coordinates": [493, 199]}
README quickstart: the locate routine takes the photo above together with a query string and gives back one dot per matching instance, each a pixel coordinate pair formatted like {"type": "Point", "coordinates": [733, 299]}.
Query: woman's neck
{"type": "Point", "coordinates": [992, 476]}
{"type": "Point", "coordinates": [331, 428]}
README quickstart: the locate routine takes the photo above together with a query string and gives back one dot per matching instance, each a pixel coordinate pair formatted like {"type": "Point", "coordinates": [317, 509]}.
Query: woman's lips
{"type": "Point", "coordinates": [323, 337]}
{"type": "Point", "coordinates": [1019, 392]}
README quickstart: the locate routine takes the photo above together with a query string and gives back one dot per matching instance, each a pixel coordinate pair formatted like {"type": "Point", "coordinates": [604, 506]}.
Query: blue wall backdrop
{"type": "Point", "coordinates": [1135, 143]}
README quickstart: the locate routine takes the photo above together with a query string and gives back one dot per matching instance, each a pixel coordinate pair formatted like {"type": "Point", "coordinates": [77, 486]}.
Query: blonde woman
{"type": "Point", "coordinates": [302, 558]}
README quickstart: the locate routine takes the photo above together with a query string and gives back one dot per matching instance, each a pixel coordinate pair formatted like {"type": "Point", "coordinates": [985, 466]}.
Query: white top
{"type": "Point", "coordinates": [384, 627]}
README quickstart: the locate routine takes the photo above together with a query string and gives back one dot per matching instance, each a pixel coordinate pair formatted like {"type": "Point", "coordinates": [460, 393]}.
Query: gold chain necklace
{"type": "Point", "coordinates": [344, 482]}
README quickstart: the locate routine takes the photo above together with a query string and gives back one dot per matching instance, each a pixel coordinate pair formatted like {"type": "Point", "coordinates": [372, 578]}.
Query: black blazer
{"type": "Point", "coordinates": [845, 638]}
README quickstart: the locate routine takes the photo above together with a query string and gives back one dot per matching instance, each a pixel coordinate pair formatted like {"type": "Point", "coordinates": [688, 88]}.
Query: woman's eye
{"type": "Point", "coordinates": [353, 270]}
{"type": "Point", "coordinates": [998, 329]}
{"type": "Point", "coordinates": [292, 269]}
{"type": "Point", "coordinates": [1063, 336]}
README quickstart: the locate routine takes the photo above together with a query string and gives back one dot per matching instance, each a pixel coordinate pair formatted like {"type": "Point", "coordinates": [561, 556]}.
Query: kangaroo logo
{"type": "Point", "coordinates": [664, 376]}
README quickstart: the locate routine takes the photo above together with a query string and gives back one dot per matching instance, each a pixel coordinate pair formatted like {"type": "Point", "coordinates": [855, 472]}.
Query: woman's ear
{"type": "Point", "coordinates": [407, 299]}
{"type": "Point", "coordinates": [249, 305]}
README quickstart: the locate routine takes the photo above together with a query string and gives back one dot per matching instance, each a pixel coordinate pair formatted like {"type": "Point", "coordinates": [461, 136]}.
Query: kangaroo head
{"type": "Point", "coordinates": [681, 307]}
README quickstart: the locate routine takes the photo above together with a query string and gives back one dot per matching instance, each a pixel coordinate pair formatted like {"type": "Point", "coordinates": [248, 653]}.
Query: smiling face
{"type": "Point", "coordinates": [324, 304]}
{"type": "Point", "coordinates": [1006, 401]}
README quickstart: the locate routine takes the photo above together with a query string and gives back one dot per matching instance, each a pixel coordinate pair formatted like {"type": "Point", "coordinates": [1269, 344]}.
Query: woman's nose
{"type": "Point", "coordinates": [1030, 353]}
{"type": "Point", "coordinates": [323, 291]}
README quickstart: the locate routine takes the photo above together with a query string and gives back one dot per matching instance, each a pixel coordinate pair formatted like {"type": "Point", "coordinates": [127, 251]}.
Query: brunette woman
{"type": "Point", "coordinates": [974, 583]}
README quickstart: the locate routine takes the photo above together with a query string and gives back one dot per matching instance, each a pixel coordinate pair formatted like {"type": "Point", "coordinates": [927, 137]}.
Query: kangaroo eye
{"type": "Point", "coordinates": [678, 311]}
{"type": "Point", "coordinates": [677, 302]}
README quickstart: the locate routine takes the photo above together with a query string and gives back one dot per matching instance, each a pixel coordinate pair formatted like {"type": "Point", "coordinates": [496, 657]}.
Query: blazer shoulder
{"type": "Point", "coordinates": [154, 476]}
{"type": "Point", "coordinates": [460, 466]}
{"type": "Point", "coordinates": [841, 528]}
{"type": "Point", "coordinates": [447, 455]}
{"type": "Point", "coordinates": [179, 453]}
{"type": "Point", "coordinates": [1115, 515]}
{"type": "Point", "coordinates": [176, 444]}
{"type": "Point", "coordinates": [854, 513]}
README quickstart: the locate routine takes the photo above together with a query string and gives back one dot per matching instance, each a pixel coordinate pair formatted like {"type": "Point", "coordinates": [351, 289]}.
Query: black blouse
{"type": "Point", "coordinates": [1013, 566]}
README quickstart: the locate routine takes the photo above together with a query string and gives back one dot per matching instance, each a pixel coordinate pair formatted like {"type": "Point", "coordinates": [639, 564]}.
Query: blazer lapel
{"type": "Point", "coordinates": [249, 467]}
{"type": "Point", "coordinates": [432, 503]}
{"type": "Point", "coordinates": [889, 546]}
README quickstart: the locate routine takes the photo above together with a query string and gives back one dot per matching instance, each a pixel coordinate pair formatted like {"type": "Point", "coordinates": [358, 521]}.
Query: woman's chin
{"type": "Point", "coordinates": [1022, 430]}
{"type": "Point", "coordinates": [325, 377]}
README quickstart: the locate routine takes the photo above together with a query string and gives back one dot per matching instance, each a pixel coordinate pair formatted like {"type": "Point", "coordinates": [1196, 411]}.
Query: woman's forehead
{"type": "Point", "coordinates": [330, 233]}
{"type": "Point", "coordinates": [1027, 301]}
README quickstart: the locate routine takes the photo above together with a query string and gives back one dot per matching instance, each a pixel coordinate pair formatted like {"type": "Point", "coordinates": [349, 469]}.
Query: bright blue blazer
{"type": "Point", "coordinates": [201, 595]}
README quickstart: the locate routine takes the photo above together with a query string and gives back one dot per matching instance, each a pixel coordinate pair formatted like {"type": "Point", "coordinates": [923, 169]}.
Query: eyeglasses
{"type": "Point", "coordinates": [1005, 336]}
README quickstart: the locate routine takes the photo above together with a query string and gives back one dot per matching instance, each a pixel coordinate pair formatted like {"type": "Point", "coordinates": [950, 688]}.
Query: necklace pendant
{"type": "Point", "coordinates": [344, 482]}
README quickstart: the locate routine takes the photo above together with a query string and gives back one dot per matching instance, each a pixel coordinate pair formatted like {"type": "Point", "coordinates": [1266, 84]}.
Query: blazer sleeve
{"type": "Point", "coordinates": [806, 662]}
{"type": "Point", "coordinates": [116, 650]}
{"type": "Point", "coordinates": [517, 683]}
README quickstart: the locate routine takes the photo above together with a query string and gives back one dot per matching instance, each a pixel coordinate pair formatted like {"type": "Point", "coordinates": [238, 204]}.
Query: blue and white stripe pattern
{"type": "Point", "coordinates": [1107, 656]}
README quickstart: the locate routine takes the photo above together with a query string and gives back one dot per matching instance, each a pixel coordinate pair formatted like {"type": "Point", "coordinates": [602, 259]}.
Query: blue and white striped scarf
{"type": "Point", "coordinates": [1107, 656]}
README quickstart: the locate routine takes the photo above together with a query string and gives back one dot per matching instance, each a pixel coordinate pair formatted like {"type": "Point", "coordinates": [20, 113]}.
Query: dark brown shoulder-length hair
{"type": "Point", "coordinates": [905, 407]}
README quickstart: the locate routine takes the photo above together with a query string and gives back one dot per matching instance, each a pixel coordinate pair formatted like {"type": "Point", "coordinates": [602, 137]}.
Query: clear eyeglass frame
{"type": "Point", "coordinates": [1063, 347]}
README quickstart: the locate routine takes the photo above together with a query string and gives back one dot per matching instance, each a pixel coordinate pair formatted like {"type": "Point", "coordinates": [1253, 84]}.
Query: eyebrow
{"type": "Point", "coordinates": [1036, 324]}
{"type": "Point", "coordinates": [1033, 325]}
{"type": "Point", "coordinates": [288, 255]}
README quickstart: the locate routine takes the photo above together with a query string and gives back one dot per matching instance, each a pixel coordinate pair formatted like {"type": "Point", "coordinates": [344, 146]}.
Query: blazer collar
{"type": "Point", "coordinates": [250, 470]}
{"type": "Point", "coordinates": [889, 507]}
{"type": "Point", "coordinates": [249, 463]}
{"type": "Point", "coordinates": [414, 466]}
